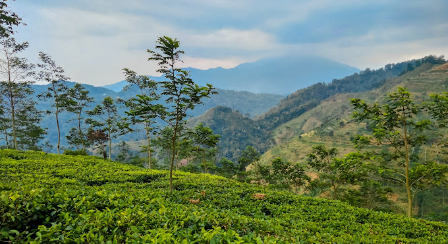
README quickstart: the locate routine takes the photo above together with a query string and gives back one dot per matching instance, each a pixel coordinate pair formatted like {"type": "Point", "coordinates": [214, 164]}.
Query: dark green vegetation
{"type": "Point", "coordinates": [77, 199]}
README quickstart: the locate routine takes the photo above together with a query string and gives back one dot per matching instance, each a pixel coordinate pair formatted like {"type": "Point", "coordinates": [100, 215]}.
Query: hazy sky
{"type": "Point", "coordinates": [93, 40]}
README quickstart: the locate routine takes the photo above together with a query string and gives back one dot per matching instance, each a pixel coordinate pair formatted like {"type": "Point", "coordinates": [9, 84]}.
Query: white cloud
{"type": "Point", "coordinates": [207, 63]}
{"type": "Point", "coordinates": [232, 38]}
{"type": "Point", "coordinates": [94, 40]}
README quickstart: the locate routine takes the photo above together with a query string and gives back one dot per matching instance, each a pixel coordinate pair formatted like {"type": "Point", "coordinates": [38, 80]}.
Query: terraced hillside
{"type": "Point", "coordinates": [330, 123]}
{"type": "Point", "coordinates": [47, 198]}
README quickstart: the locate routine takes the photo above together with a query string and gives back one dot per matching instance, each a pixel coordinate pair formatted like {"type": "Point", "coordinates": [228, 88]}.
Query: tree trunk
{"type": "Point", "coordinates": [80, 131]}
{"type": "Point", "coordinates": [149, 145]}
{"type": "Point", "coordinates": [408, 186]}
{"type": "Point", "coordinates": [6, 138]}
{"type": "Point", "coordinates": [173, 150]}
{"type": "Point", "coordinates": [59, 132]}
{"type": "Point", "coordinates": [13, 117]}
{"type": "Point", "coordinates": [110, 146]}
{"type": "Point", "coordinates": [203, 161]}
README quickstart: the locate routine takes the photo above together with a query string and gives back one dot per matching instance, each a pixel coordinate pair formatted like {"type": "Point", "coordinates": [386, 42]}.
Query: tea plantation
{"type": "Point", "coordinates": [47, 198]}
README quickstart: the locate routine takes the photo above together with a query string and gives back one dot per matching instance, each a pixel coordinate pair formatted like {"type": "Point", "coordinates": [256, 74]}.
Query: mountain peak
{"type": "Point", "coordinates": [280, 75]}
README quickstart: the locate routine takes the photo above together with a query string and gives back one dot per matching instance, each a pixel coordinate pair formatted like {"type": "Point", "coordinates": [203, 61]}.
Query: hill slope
{"type": "Point", "coordinates": [330, 122]}
{"type": "Point", "coordinates": [46, 198]}
{"type": "Point", "coordinates": [306, 99]}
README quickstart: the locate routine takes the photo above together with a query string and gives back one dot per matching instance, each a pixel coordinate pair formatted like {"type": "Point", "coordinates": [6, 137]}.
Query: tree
{"type": "Point", "coordinates": [7, 20]}
{"type": "Point", "coordinates": [125, 153]}
{"type": "Point", "coordinates": [79, 100]}
{"type": "Point", "coordinates": [228, 168]}
{"type": "Point", "coordinates": [16, 89]}
{"type": "Point", "coordinates": [109, 120]}
{"type": "Point", "coordinates": [248, 156]}
{"type": "Point", "coordinates": [57, 89]}
{"type": "Point", "coordinates": [142, 107]}
{"type": "Point", "coordinates": [396, 127]}
{"type": "Point", "coordinates": [164, 143]}
{"type": "Point", "coordinates": [97, 137]}
{"type": "Point", "coordinates": [180, 90]}
{"type": "Point", "coordinates": [29, 131]}
{"type": "Point", "coordinates": [204, 143]}
{"type": "Point", "coordinates": [335, 173]}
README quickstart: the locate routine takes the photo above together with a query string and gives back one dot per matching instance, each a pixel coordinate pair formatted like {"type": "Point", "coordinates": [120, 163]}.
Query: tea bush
{"type": "Point", "coordinates": [48, 198]}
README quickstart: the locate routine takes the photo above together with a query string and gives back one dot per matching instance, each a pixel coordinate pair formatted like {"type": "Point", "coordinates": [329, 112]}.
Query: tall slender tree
{"type": "Point", "coordinates": [57, 88]}
{"type": "Point", "coordinates": [79, 100]}
{"type": "Point", "coordinates": [108, 121]}
{"type": "Point", "coordinates": [142, 107]}
{"type": "Point", "coordinates": [395, 125]}
{"type": "Point", "coordinates": [204, 143]}
{"type": "Point", "coordinates": [179, 89]}
{"type": "Point", "coordinates": [16, 86]}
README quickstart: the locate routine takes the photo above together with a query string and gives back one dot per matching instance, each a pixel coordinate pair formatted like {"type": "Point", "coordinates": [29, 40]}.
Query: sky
{"type": "Point", "coordinates": [93, 40]}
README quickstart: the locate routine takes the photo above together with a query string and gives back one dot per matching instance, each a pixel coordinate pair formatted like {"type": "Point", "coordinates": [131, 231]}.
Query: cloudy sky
{"type": "Point", "coordinates": [93, 40]}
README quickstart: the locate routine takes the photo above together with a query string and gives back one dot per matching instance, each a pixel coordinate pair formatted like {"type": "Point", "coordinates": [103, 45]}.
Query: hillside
{"type": "Point", "coordinates": [330, 122]}
{"type": "Point", "coordinates": [72, 199]}
{"type": "Point", "coordinates": [301, 101]}
{"type": "Point", "coordinates": [237, 131]}
{"type": "Point", "coordinates": [278, 75]}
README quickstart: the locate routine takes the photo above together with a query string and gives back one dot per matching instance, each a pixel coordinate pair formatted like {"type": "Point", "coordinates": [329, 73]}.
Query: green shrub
{"type": "Point", "coordinates": [81, 152]}
{"type": "Point", "coordinates": [46, 198]}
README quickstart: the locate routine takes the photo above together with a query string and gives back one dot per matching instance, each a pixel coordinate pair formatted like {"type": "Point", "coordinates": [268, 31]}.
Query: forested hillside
{"type": "Point", "coordinates": [308, 98]}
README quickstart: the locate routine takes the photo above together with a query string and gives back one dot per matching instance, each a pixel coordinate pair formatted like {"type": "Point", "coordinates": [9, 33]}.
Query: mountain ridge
{"type": "Point", "coordinates": [276, 75]}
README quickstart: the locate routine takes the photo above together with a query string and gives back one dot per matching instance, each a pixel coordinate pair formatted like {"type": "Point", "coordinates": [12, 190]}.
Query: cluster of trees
{"type": "Point", "coordinates": [389, 161]}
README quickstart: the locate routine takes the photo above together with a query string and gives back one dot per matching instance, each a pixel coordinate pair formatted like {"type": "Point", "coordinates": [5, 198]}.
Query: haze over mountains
{"type": "Point", "coordinates": [277, 75]}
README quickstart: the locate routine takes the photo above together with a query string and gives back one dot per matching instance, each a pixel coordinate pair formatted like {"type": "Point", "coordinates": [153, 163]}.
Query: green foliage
{"type": "Point", "coordinates": [179, 89]}
{"type": "Point", "coordinates": [79, 100]}
{"type": "Point", "coordinates": [305, 99]}
{"type": "Point", "coordinates": [204, 144]}
{"type": "Point", "coordinates": [76, 152]}
{"type": "Point", "coordinates": [15, 96]}
{"type": "Point", "coordinates": [248, 156]}
{"type": "Point", "coordinates": [236, 130]}
{"type": "Point", "coordinates": [227, 168]}
{"type": "Point", "coordinates": [57, 90]}
{"type": "Point", "coordinates": [395, 125]}
{"type": "Point", "coordinates": [8, 19]}
{"type": "Point", "coordinates": [108, 121]}
{"type": "Point", "coordinates": [287, 175]}
{"type": "Point", "coordinates": [57, 198]}
{"type": "Point", "coordinates": [336, 173]}
{"type": "Point", "coordinates": [143, 109]}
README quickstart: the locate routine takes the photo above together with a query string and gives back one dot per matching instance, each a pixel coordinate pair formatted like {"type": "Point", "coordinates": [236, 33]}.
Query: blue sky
{"type": "Point", "coordinates": [94, 39]}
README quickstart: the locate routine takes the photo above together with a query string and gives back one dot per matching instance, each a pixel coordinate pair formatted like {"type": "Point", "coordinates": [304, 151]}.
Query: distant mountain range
{"type": "Point", "coordinates": [278, 75]}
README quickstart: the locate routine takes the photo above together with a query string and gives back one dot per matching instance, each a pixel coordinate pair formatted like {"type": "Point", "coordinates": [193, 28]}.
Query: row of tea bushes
{"type": "Point", "coordinates": [48, 198]}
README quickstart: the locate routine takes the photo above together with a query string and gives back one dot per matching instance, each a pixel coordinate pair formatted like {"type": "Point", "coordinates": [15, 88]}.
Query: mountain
{"type": "Point", "coordinates": [278, 75]}
{"type": "Point", "coordinates": [302, 101]}
{"type": "Point", "coordinates": [246, 103]}
{"type": "Point", "coordinates": [331, 123]}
